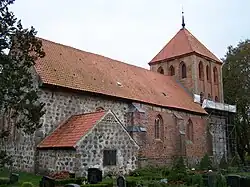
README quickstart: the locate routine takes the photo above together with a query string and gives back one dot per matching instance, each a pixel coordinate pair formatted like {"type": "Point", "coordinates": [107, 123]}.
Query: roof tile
{"type": "Point", "coordinates": [183, 43]}
{"type": "Point", "coordinates": [71, 131]}
{"type": "Point", "coordinates": [79, 70]}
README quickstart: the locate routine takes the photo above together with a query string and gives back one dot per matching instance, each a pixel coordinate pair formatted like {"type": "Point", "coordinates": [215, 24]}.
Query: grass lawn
{"type": "Point", "coordinates": [23, 177]}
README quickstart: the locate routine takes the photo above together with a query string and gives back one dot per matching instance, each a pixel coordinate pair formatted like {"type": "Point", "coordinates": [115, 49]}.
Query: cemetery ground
{"type": "Point", "coordinates": [204, 174]}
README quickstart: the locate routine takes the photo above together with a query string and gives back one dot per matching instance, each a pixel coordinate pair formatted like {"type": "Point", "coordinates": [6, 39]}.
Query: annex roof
{"type": "Point", "coordinates": [72, 130]}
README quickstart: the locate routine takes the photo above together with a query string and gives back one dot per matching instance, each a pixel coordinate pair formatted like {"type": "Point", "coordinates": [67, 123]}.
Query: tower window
{"type": "Point", "coordinates": [208, 73]}
{"type": "Point", "coordinates": [209, 96]}
{"type": "Point", "coordinates": [215, 75]}
{"type": "Point", "coordinates": [171, 70]}
{"type": "Point", "coordinates": [183, 70]}
{"type": "Point", "coordinates": [190, 133]}
{"type": "Point", "coordinates": [158, 125]}
{"type": "Point", "coordinates": [216, 99]}
{"type": "Point", "coordinates": [160, 70]}
{"type": "Point", "coordinates": [201, 71]}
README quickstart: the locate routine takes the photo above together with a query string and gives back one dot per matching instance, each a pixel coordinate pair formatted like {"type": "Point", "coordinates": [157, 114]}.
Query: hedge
{"type": "Point", "coordinates": [95, 185]}
{"type": "Point", "coordinates": [27, 184]}
{"type": "Point", "coordinates": [4, 180]}
{"type": "Point", "coordinates": [59, 182]}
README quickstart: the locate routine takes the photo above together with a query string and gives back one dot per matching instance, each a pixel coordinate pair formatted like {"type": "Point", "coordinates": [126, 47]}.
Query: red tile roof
{"type": "Point", "coordinates": [79, 70]}
{"type": "Point", "coordinates": [183, 43]}
{"type": "Point", "coordinates": [71, 131]}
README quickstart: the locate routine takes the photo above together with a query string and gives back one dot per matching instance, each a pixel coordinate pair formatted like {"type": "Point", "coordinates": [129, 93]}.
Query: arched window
{"type": "Point", "coordinates": [201, 71]}
{"type": "Point", "coordinates": [171, 70]}
{"type": "Point", "coordinates": [215, 75]}
{"type": "Point", "coordinates": [183, 69]}
{"type": "Point", "coordinates": [158, 125]}
{"type": "Point", "coordinates": [190, 132]}
{"type": "Point", "coordinates": [98, 109]}
{"type": "Point", "coordinates": [201, 98]}
{"type": "Point", "coordinates": [216, 99]}
{"type": "Point", "coordinates": [209, 97]}
{"type": "Point", "coordinates": [160, 70]}
{"type": "Point", "coordinates": [208, 73]}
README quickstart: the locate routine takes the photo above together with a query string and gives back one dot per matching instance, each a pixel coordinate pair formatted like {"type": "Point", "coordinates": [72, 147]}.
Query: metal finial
{"type": "Point", "coordinates": [183, 21]}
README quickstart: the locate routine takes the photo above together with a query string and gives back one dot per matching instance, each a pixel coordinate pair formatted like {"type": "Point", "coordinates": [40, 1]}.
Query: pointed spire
{"type": "Point", "coordinates": [183, 21]}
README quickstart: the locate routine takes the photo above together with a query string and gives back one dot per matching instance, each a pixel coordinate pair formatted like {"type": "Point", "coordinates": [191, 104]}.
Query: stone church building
{"type": "Point", "coordinates": [110, 115]}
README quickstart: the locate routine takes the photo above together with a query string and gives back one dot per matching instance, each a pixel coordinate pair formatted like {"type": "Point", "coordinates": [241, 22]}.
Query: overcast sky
{"type": "Point", "coordinates": [134, 31]}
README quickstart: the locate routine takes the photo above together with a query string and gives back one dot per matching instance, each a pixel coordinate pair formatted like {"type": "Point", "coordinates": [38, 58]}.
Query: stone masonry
{"type": "Point", "coordinates": [109, 133]}
{"type": "Point", "coordinates": [60, 105]}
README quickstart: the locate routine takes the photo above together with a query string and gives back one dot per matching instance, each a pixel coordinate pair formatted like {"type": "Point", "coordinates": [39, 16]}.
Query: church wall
{"type": "Point", "coordinates": [108, 134]}
{"type": "Point", "coordinates": [209, 87]}
{"type": "Point", "coordinates": [57, 160]}
{"type": "Point", "coordinates": [61, 105]}
{"type": "Point", "coordinates": [188, 82]}
{"type": "Point", "coordinates": [161, 151]}
{"type": "Point", "coordinates": [193, 83]}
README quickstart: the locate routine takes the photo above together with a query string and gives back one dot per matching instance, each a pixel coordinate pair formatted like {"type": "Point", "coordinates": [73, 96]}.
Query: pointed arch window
{"type": "Point", "coordinates": [209, 97]}
{"type": "Point", "coordinates": [183, 69]}
{"type": "Point", "coordinates": [216, 99]}
{"type": "Point", "coordinates": [208, 73]}
{"type": "Point", "coordinates": [201, 71]}
{"type": "Point", "coordinates": [158, 125]}
{"type": "Point", "coordinates": [190, 130]}
{"type": "Point", "coordinates": [171, 70]}
{"type": "Point", "coordinates": [215, 71]}
{"type": "Point", "coordinates": [160, 70]}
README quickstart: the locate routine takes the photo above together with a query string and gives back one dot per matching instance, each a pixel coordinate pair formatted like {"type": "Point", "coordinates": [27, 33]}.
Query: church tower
{"type": "Point", "coordinates": [186, 59]}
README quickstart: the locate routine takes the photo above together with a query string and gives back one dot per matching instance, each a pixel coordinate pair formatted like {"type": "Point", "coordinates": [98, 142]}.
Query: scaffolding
{"type": "Point", "coordinates": [221, 128]}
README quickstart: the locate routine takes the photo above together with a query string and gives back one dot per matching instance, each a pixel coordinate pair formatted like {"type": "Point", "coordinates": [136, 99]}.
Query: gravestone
{"type": "Point", "coordinates": [233, 180]}
{"type": "Point", "coordinates": [14, 178]}
{"type": "Point", "coordinates": [211, 180]}
{"type": "Point", "coordinates": [121, 181]}
{"type": "Point", "coordinates": [48, 182]}
{"type": "Point", "coordinates": [94, 175]}
{"type": "Point", "coordinates": [72, 175]}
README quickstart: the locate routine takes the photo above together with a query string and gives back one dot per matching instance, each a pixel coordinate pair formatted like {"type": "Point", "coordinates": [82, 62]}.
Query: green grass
{"type": "Point", "coordinates": [23, 177]}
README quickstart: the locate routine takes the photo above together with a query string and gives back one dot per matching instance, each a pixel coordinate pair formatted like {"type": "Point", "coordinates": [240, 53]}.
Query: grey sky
{"type": "Point", "coordinates": [134, 31]}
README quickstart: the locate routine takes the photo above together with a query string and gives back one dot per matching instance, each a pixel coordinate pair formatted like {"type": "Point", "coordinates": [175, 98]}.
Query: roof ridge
{"type": "Point", "coordinates": [118, 61]}
{"type": "Point", "coordinates": [201, 43]}
{"type": "Point", "coordinates": [186, 35]}
{"type": "Point", "coordinates": [56, 43]}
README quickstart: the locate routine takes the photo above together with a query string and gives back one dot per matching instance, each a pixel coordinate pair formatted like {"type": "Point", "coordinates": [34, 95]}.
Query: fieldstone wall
{"type": "Point", "coordinates": [56, 160]}
{"type": "Point", "coordinates": [59, 107]}
{"type": "Point", "coordinates": [22, 151]}
{"type": "Point", "coordinates": [107, 134]}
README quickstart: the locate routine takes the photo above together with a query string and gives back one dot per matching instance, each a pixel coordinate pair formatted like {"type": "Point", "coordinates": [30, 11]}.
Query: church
{"type": "Point", "coordinates": [106, 114]}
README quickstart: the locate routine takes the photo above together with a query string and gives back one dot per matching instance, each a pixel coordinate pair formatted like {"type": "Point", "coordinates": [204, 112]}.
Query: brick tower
{"type": "Point", "coordinates": [191, 63]}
